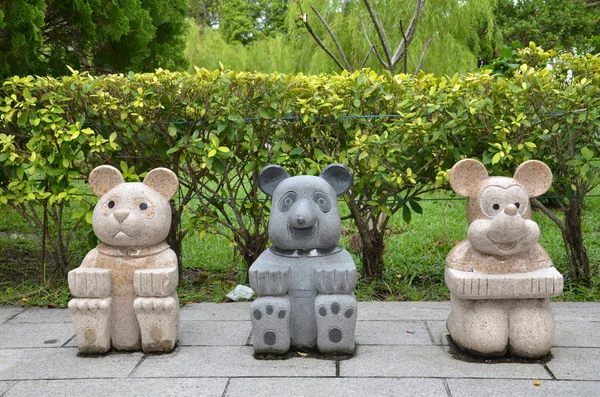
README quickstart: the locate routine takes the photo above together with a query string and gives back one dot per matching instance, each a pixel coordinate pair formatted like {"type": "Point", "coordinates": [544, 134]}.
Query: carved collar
{"type": "Point", "coordinates": [315, 252]}
{"type": "Point", "coordinates": [135, 252]}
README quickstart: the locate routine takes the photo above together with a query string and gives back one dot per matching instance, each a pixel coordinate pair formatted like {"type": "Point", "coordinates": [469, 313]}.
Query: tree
{"type": "Point", "coordinates": [246, 21]}
{"type": "Point", "coordinates": [357, 29]}
{"type": "Point", "coordinates": [205, 13]}
{"type": "Point", "coordinates": [458, 32]}
{"type": "Point", "coordinates": [558, 24]}
{"type": "Point", "coordinates": [21, 23]}
{"type": "Point", "coordinates": [45, 37]}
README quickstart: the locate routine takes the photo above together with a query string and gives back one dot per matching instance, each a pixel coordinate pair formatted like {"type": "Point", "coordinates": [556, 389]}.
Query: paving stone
{"type": "Point", "coordinates": [216, 333]}
{"type": "Point", "coordinates": [576, 311]}
{"type": "Point", "coordinates": [439, 332]}
{"type": "Point", "coordinates": [206, 311]}
{"type": "Point", "coordinates": [7, 312]}
{"type": "Point", "coordinates": [570, 363]}
{"type": "Point", "coordinates": [392, 333]}
{"type": "Point", "coordinates": [302, 387]}
{"type": "Point", "coordinates": [4, 386]}
{"type": "Point", "coordinates": [172, 387]}
{"type": "Point", "coordinates": [30, 364]}
{"type": "Point", "coordinates": [43, 315]}
{"type": "Point", "coordinates": [208, 333]}
{"type": "Point", "coordinates": [14, 335]}
{"type": "Point", "coordinates": [429, 361]}
{"type": "Point", "coordinates": [403, 311]}
{"type": "Point", "coordinates": [521, 388]}
{"type": "Point", "coordinates": [228, 361]}
{"type": "Point", "coordinates": [577, 334]}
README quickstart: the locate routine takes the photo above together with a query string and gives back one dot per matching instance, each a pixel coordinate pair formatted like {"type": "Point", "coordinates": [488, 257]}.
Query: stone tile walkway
{"type": "Point", "coordinates": [403, 350]}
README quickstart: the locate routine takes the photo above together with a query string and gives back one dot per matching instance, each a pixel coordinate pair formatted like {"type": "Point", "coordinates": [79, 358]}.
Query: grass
{"type": "Point", "coordinates": [414, 258]}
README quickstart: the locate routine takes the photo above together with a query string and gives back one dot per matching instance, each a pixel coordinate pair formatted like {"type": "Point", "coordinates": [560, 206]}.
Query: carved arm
{"type": "Point", "coordinates": [541, 283]}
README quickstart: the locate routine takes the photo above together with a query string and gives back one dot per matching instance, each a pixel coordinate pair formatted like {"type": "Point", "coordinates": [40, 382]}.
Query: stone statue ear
{"type": "Point", "coordinates": [270, 177]}
{"type": "Point", "coordinates": [103, 178]}
{"type": "Point", "coordinates": [338, 176]}
{"type": "Point", "coordinates": [534, 176]}
{"type": "Point", "coordinates": [466, 175]}
{"type": "Point", "coordinates": [164, 181]}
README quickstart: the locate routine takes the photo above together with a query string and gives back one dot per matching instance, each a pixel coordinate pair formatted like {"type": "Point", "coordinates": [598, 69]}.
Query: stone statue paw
{"type": "Point", "coordinates": [270, 282]}
{"type": "Point", "coordinates": [155, 282]}
{"type": "Point", "coordinates": [85, 282]}
{"type": "Point", "coordinates": [271, 324]}
{"type": "Point", "coordinates": [334, 281]}
{"type": "Point", "coordinates": [159, 322]}
{"type": "Point", "coordinates": [336, 322]}
{"type": "Point", "coordinates": [92, 319]}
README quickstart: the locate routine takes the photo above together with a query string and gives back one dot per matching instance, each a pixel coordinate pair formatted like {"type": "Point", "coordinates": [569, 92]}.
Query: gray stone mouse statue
{"type": "Point", "coordinates": [305, 281]}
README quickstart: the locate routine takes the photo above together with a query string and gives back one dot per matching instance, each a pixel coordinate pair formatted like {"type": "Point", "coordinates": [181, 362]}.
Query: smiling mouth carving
{"type": "Point", "coordinates": [505, 246]}
{"type": "Point", "coordinates": [303, 233]}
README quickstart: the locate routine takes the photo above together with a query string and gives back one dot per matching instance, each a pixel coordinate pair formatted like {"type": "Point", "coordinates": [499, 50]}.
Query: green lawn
{"type": "Point", "coordinates": [414, 257]}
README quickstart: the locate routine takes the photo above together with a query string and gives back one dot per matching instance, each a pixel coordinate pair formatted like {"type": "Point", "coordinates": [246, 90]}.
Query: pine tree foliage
{"type": "Point", "coordinates": [46, 37]}
{"type": "Point", "coordinates": [559, 24]}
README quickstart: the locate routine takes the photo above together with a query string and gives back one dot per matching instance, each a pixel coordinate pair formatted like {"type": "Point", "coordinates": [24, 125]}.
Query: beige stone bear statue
{"type": "Point", "coordinates": [124, 290]}
{"type": "Point", "coordinates": [500, 278]}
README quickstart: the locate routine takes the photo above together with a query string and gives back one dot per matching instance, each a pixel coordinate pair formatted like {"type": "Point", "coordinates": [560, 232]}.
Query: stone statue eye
{"type": "Point", "coordinates": [111, 204]}
{"type": "Point", "coordinates": [146, 207]}
{"type": "Point", "coordinates": [287, 201]}
{"type": "Point", "coordinates": [517, 205]}
{"type": "Point", "coordinates": [322, 201]}
{"type": "Point", "coordinates": [496, 207]}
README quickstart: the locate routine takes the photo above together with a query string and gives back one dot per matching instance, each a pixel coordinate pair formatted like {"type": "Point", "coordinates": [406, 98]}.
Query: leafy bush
{"type": "Point", "coordinates": [217, 129]}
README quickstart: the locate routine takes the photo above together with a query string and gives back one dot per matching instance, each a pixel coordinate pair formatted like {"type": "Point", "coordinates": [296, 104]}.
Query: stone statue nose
{"type": "Point", "coordinates": [511, 210]}
{"type": "Point", "coordinates": [121, 215]}
{"type": "Point", "coordinates": [303, 215]}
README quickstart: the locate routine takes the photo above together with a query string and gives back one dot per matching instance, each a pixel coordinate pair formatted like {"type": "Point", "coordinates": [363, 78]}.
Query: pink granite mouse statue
{"type": "Point", "coordinates": [124, 290]}
{"type": "Point", "coordinates": [500, 278]}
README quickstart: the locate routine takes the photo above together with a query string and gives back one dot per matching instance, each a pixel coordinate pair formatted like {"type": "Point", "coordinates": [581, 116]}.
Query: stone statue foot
{"type": "Point", "coordinates": [159, 322]}
{"type": "Point", "coordinates": [91, 318]}
{"type": "Point", "coordinates": [270, 317]}
{"type": "Point", "coordinates": [336, 321]}
{"type": "Point", "coordinates": [531, 325]}
{"type": "Point", "coordinates": [479, 327]}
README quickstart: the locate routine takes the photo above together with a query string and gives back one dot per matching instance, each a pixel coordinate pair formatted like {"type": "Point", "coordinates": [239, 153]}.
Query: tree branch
{"type": "Point", "coordinates": [561, 225]}
{"type": "Point", "coordinates": [405, 52]}
{"type": "Point", "coordinates": [422, 56]}
{"type": "Point", "coordinates": [380, 31]}
{"type": "Point", "coordinates": [362, 65]}
{"type": "Point", "coordinates": [410, 32]}
{"type": "Point", "coordinates": [385, 65]}
{"type": "Point", "coordinates": [337, 44]}
{"type": "Point", "coordinates": [304, 18]}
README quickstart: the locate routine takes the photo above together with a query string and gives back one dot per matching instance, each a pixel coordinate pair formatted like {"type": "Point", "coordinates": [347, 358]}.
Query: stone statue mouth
{"type": "Point", "coordinates": [505, 246]}
{"type": "Point", "coordinates": [120, 232]}
{"type": "Point", "coordinates": [302, 233]}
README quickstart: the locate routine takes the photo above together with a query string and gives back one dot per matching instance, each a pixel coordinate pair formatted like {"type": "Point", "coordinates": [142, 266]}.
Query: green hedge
{"type": "Point", "coordinates": [216, 129]}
